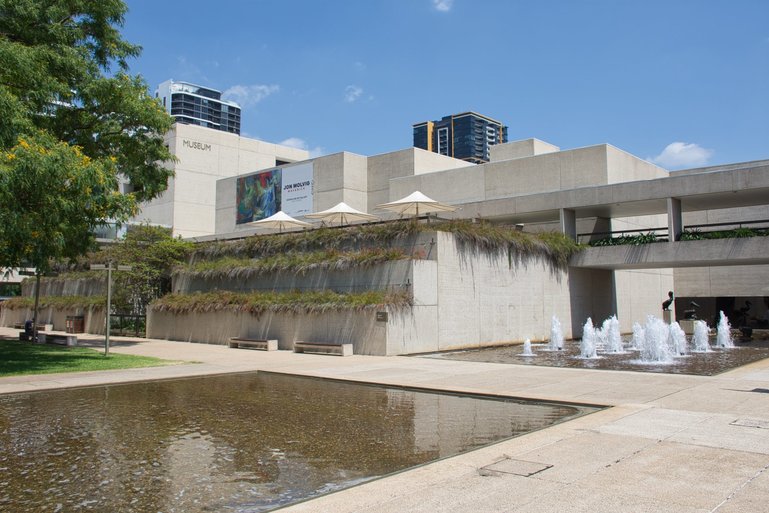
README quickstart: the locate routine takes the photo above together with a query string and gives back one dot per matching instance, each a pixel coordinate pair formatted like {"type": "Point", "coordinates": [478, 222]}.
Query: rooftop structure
{"type": "Point", "coordinates": [466, 136]}
{"type": "Point", "coordinates": [192, 104]}
{"type": "Point", "coordinates": [204, 156]}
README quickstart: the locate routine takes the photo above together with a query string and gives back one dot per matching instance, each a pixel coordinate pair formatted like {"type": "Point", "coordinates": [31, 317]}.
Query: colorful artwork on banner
{"type": "Point", "coordinates": [258, 196]}
{"type": "Point", "coordinates": [263, 194]}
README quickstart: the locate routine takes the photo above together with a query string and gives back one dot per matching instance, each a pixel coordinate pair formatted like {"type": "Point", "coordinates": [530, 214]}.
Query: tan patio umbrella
{"type": "Point", "coordinates": [342, 213]}
{"type": "Point", "coordinates": [415, 204]}
{"type": "Point", "coordinates": [280, 222]}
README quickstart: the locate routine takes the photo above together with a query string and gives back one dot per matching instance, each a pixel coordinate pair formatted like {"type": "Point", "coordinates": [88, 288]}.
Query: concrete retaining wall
{"type": "Point", "coordinates": [383, 276]}
{"type": "Point", "coordinates": [462, 299]}
{"type": "Point", "coordinates": [488, 300]}
{"type": "Point", "coordinates": [94, 319]}
{"type": "Point", "coordinates": [56, 287]}
{"type": "Point", "coordinates": [357, 328]}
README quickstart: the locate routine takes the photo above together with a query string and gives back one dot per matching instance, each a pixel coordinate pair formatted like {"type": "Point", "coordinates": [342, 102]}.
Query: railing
{"type": "Point", "coordinates": [128, 324]}
{"type": "Point", "coordinates": [660, 234]}
{"type": "Point", "coordinates": [654, 235]}
{"type": "Point", "coordinates": [735, 225]}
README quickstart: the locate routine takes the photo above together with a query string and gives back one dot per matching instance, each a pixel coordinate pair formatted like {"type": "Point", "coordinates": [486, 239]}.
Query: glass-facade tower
{"type": "Point", "coordinates": [195, 105]}
{"type": "Point", "coordinates": [465, 136]}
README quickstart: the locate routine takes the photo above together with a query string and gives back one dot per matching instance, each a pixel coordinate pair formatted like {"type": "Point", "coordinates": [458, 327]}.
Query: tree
{"type": "Point", "coordinates": [152, 253]}
{"type": "Point", "coordinates": [72, 122]}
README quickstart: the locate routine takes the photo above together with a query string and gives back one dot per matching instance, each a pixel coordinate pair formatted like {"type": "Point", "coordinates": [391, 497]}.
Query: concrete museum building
{"type": "Point", "coordinates": [465, 299]}
{"type": "Point", "coordinates": [461, 297]}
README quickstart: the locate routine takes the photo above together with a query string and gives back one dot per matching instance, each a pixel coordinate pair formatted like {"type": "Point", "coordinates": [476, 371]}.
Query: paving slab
{"type": "Point", "coordinates": [689, 476]}
{"type": "Point", "coordinates": [753, 497]}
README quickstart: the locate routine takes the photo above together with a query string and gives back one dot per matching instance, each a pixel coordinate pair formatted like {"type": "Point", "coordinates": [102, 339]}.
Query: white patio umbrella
{"type": "Point", "coordinates": [342, 213]}
{"type": "Point", "coordinates": [280, 221]}
{"type": "Point", "coordinates": [416, 203]}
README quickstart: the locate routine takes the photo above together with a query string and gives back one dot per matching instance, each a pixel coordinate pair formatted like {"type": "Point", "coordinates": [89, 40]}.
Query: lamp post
{"type": "Point", "coordinates": [109, 268]}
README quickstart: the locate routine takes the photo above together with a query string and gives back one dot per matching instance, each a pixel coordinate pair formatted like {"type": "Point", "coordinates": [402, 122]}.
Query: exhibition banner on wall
{"type": "Point", "coordinates": [263, 194]}
{"type": "Point", "coordinates": [297, 190]}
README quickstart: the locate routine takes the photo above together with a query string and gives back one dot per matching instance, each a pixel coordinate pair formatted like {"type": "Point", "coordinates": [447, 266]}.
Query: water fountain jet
{"type": "Point", "coordinates": [613, 336]}
{"type": "Point", "coordinates": [701, 335]}
{"type": "Point", "coordinates": [724, 337]}
{"type": "Point", "coordinates": [678, 339]}
{"type": "Point", "coordinates": [587, 346]}
{"type": "Point", "coordinates": [638, 336]}
{"type": "Point", "coordinates": [556, 335]}
{"type": "Point", "coordinates": [656, 347]}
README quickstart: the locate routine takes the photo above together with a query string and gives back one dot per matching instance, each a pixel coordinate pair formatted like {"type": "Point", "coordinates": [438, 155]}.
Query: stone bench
{"type": "Point", "coordinates": [40, 327]}
{"type": "Point", "coordinates": [64, 339]}
{"type": "Point", "coordinates": [323, 348]}
{"type": "Point", "coordinates": [252, 343]}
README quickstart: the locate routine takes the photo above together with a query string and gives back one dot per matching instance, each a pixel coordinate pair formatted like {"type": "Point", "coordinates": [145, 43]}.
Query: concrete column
{"type": "Point", "coordinates": [569, 223]}
{"type": "Point", "coordinates": [675, 220]}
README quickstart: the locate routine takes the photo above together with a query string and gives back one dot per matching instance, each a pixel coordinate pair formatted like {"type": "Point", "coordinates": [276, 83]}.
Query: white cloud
{"type": "Point", "coordinates": [443, 5]}
{"type": "Point", "coordinates": [186, 70]}
{"type": "Point", "coordinates": [301, 144]}
{"type": "Point", "coordinates": [249, 95]}
{"type": "Point", "coordinates": [352, 93]}
{"type": "Point", "coordinates": [678, 155]}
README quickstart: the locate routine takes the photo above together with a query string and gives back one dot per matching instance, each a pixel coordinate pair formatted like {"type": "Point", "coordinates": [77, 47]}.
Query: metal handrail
{"type": "Point", "coordinates": [736, 224]}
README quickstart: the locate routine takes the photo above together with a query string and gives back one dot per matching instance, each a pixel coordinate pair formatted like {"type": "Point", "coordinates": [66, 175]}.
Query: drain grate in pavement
{"type": "Point", "coordinates": [517, 467]}
{"type": "Point", "coordinates": [755, 423]}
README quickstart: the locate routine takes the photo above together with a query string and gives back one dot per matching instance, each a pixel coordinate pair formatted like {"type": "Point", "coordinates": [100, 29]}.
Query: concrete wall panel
{"type": "Point", "coordinates": [357, 328]}
{"type": "Point", "coordinates": [640, 294]}
{"type": "Point", "coordinates": [520, 149]}
{"type": "Point", "coordinates": [413, 330]}
{"type": "Point", "coordinates": [736, 280]}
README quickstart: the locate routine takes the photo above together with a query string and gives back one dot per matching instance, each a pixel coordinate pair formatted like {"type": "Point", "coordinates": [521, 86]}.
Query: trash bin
{"type": "Point", "coordinates": [75, 324]}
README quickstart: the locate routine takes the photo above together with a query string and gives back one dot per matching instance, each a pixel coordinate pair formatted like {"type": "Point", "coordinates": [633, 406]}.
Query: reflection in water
{"type": "Point", "coordinates": [243, 443]}
{"type": "Point", "coordinates": [703, 364]}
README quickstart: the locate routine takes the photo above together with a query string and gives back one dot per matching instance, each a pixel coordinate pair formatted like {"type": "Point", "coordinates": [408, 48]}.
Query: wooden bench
{"type": "Point", "coordinates": [323, 348]}
{"type": "Point", "coordinates": [64, 339]}
{"type": "Point", "coordinates": [252, 343]}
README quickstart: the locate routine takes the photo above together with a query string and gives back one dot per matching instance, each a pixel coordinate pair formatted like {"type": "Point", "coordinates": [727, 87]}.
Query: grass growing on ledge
{"type": "Point", "coordinates": [555, 248]}
{"type": "Point", "coordinates": [256, 303]}
{"type": "Point", "coordinates": [298, 263]}
{"type": "Point", "coordinates": [17, 358]}
{"type": "Point", "coordinates": [56, 302]}
{"type": "Point", "coordinates": [323, 238]}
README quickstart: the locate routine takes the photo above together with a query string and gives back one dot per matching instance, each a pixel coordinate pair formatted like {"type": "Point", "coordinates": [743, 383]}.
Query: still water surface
{"type": "Point", "coordinates": [243, 443]}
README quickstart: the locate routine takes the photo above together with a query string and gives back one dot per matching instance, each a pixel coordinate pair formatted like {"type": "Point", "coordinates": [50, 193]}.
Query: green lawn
{"type": "Point", "coordinates": [18, 358]}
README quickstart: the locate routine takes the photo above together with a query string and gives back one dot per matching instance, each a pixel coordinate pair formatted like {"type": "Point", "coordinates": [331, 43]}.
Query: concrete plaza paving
{"type": "Point", "coordinates": [667, 443]}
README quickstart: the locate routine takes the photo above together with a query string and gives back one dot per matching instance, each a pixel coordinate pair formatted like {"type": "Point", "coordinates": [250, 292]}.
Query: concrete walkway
{"type": "Point", "coordinates": [669, 443]}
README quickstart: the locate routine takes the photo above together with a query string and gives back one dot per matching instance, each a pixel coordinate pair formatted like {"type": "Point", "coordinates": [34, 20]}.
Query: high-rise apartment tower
{"type": "Point", "coordinates": [192, 104]}
{"type": "Point", "coordinates": [465, 136]}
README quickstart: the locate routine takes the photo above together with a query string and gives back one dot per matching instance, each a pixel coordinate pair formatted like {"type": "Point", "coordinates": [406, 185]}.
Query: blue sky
{"type": "Point", "coordinates": [684, 83]}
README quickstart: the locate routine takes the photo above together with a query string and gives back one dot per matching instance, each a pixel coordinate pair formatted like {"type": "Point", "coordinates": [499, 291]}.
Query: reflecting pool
{"type": "Point", "coordinates": [243, 443]}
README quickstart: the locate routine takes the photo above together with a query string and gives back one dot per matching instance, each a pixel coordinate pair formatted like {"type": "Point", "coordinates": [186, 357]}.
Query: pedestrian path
{"type": "Point", "coordinates": [666, 443]}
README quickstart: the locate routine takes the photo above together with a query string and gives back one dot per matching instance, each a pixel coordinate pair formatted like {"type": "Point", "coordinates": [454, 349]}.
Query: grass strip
{"type": "Point", "coordinates": [555, 248]}
{"type": "Point", "coordinates": [19, 358]}
{"type": "Point", "coordinates": [56, 302]}
{"type": "Point", "coordinates": [296, 263]}
{"type": "Point", "coordinates": [256, 303]}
